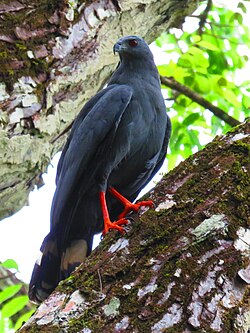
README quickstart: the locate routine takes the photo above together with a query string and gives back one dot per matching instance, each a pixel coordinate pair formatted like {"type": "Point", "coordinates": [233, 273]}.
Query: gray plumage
{"type": "Point", "coordinates": [119, 140]}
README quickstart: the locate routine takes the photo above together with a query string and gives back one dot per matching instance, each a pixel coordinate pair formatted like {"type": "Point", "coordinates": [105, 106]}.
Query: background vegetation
{"type": "Point", "coordinates": [210, 60]}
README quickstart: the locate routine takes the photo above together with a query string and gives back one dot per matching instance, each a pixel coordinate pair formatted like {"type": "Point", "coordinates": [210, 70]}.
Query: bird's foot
{"type": "Point", "coordinates": [130, 207]}
{"type": "Point", "coordinates": [108, 225]}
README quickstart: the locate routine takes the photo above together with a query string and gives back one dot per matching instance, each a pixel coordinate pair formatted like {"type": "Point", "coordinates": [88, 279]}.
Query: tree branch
{"type": "Point", "coordinates": [189, 252]}
{"type": "Point", "coordinates": [173, 84]}
{"type": "Point", "coordinates": [203, 16]}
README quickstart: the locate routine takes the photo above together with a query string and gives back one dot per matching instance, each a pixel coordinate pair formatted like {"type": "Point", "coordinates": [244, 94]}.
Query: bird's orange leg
{"type": "Point", "coordinates": [107, 223]}
{"type": "Point", "coordinates": [129, 206]}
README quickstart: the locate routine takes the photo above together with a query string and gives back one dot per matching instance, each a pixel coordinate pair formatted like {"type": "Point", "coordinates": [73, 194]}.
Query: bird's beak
{"type": "Point", "coordinates": [118, 48]}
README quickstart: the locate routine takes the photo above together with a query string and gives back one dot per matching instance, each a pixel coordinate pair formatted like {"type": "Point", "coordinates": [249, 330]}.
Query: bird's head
{"type": "Point", "coordinates": [132, 47]}
{"type": "Point", "coordinates": [136, 61]}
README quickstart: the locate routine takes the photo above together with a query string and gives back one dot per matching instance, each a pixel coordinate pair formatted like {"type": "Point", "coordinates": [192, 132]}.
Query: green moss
{"type": "Point", "coordinates": [229, 320]}
{"type": "Point", "coordinates": [18, 50]}
{"type": "Point", "coordinates": [21, 46]}
{"type": "Point", "coordinates": [89, 320]}
{"type": "Point", "coordinates": [3, 55]}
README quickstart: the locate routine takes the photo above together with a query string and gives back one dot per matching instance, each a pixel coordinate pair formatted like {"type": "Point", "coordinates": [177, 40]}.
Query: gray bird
{"type": "Point", "coordinates": [117, 143]}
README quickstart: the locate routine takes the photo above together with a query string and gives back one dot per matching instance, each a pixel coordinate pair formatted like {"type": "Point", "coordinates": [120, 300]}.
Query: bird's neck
{"type": "Point", "coordinates": [130, 69]}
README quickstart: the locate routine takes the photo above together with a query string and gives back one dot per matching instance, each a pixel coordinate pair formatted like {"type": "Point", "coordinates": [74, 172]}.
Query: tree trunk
{"type": "Point", "coordinates": [182, 267]}
{"type": "Point", "coordinates": [54, 56]}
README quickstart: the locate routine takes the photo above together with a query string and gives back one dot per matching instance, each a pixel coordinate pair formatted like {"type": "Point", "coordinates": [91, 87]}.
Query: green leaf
{"type": "Point", "coordinates": [180, 73]}
{"type": "Point", "coordinates": [203, 121]}
{"type": "Point", "coordinates": [242, 7]}
{"type": "Point", "coordinates": [231, 97]}
{"type": "Point", "coordinates": [184, 101]}
{"type": "Point", "coordinates": [208, 45]}
{"type": "Point", "coordinates": [195, 50]}
{"type": "Point", "coordinates": [216, 124]}
{"type": "Point", "coordinates": [246, 113]}
{"type": "Point", "coordinates": [9, 292]}
{"type": "Point", "coordinates": [222, 82]}
{"type": "Point", "coordinates": [173, 70]}
{"type": "Point", "coordinates": [238, 61]}
{"type": "Point", "coordinates": [186, 152]}
{"type": "Point", "coordinates": [9, 263]}
{"type": "Point", "coordinates": [199, 59]}
{"type": "Point", "coordinates": [164, 70]}
{"type": "Point", "coordinates": [176, 137]}
{"type": "Point", "coordinates": [239, 18]}
{"type": "Point", "coordinates": [201, 70]}
{"type": "Point", "coordinates": [23, 318]}
{"type": "Point", "coordinates": [5, 324]}
{"type": "Point", "coordinates": [194, 138]}
{"type": "Point", "coordinates": [158, 43]}
{"type": "Point", "coordinates": [172, 161]}
{"type": "Point", "coordinates": [179, 108]}
{"type": "Point", "coordinates": [203, 84]}
{"type": "Point", "coordinates": [168, 69]}
{"type": "Point", "coordinates": [14, 306]}
{"type": "Point", "coordinates": [2, 324]}
{"type": "Point", "coordinates": [236, 113]}
{"type": "Point", "coordinates": [185, 61]}
{"type": "Point", "coordinates": [196, 38]}
{"type": "Point", "coordinates": [189, 80]}
{"type": "Point", "coordinates": [246, 101]}
{"type": "Point", "coordinates": [190, 119]}
{"type": "Point", "coordinates": [236, 17]}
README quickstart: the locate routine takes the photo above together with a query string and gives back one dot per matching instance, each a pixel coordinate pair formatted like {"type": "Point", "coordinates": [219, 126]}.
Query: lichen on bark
{"type": "Point", "coordinates": [183, 267]}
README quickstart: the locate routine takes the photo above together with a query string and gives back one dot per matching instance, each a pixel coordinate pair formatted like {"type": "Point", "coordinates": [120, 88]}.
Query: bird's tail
{"type": "Point", "coordinates": [54, 265]}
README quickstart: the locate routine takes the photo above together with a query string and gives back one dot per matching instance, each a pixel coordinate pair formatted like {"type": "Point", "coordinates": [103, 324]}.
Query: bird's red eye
{"type": "Point", "coordinates": [133, 42]}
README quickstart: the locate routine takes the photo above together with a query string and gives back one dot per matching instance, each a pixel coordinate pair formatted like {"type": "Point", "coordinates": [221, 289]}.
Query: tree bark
{"type": "Point", "coordinates": [183, 267]}
{"type": "Point", "coordinates": [54, 56]}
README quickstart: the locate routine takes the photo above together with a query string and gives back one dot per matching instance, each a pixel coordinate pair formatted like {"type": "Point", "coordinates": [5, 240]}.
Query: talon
{"type": "Point", "coordinates": [129, 206]}
{"type": "Point", "coordinates": [135, 207]}
{"type": "Point", "coordinates": [108, 225]}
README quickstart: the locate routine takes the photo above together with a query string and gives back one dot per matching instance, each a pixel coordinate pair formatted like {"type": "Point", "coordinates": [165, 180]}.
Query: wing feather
{"type": "Point", "coordinates": [88, 134]}
{"type": "Point", "coordinates": [83, 113]}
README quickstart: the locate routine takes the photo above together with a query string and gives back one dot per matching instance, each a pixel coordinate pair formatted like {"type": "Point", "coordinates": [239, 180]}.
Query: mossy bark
{"type": "Point", "coordinates": [183, 267]}
{"type": "Point", "coordinates": [54, 55]}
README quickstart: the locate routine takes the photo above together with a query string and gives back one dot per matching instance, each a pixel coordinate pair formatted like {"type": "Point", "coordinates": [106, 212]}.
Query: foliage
{"type": "Point", "coordinates": [12, 303]}
{"type": "Point", "coordinates": [210, 60]}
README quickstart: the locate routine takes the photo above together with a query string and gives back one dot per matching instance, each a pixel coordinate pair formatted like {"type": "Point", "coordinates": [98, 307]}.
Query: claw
{"type": "Point", "coordinates": [129, 206]}
{"type": "Point", "coordinates": [108, 225]}
{"type": "Point", "coordinates": [135, 207]}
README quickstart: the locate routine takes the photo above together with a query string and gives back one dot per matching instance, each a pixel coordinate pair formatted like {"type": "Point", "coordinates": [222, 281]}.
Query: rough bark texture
{"type": "Point", "coordinates": [183, 267]}
{"type": "Point", "coordinates": [54, 55]}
